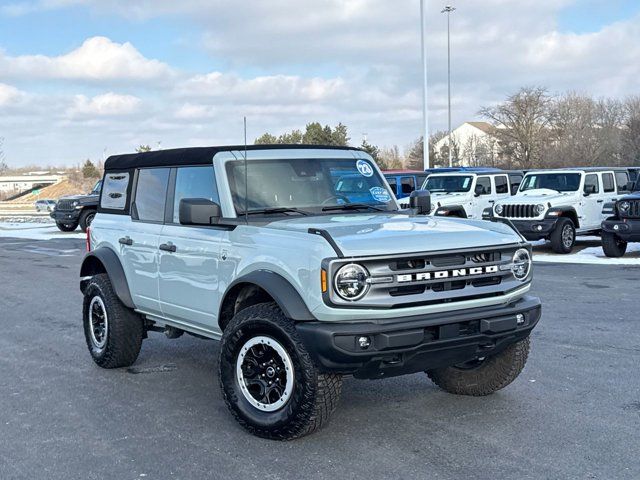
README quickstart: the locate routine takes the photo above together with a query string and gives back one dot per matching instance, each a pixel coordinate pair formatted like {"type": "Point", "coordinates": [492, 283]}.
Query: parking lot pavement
{"type": "Point", "coordinates": [573, 413]}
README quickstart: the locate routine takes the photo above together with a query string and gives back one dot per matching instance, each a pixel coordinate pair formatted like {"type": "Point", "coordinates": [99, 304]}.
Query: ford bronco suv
{"type": "Point", "coordinates": [622, 224]}
{"type": "Point", "coordinates": [557, 205]}
{"type": "Point", "coordinates": [76, 210]}
{"type": "Point", "coordinates": [300, 284]}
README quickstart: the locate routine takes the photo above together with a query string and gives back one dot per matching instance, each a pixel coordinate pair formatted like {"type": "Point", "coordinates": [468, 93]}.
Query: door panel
{"type": "Point", "coordinates": [592, 205]}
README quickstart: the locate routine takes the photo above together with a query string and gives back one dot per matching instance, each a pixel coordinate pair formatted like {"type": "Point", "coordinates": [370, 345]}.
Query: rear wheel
{"type": "Point", "coordinates": [483, 376]}
{"type": "Point", "coordinates": [612, 245]}
{"type": "Point", "coordinates": [268, 379]}
{"type": "Point", "coordinates": [86, 218]}
{"type": "Point", "coordinates": [113, 332]}
{"type": "Point", "coordinates": [563, 236]}
{"type": "Point", "coordinates": [67, 227]}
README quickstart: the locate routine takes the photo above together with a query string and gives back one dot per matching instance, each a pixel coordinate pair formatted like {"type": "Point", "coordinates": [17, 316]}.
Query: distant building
{"type": "Point", "coordinates": [474, 144]}
{"type": "Point", "coordinates": [15, 184]}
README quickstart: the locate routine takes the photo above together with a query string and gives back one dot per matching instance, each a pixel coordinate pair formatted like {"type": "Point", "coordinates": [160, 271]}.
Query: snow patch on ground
{"type": "Point", "coordinates": [36, 231]}
{"type": "Point", "coordinates": [585, 253]}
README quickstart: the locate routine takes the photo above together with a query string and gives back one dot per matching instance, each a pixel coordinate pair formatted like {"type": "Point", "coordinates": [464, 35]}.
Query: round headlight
{"type": "Point", "coordinates": [499, 209]}
{"type": "Point", "coordinates": [540, 208]}
{"type": "Point", "coordinates": [350, 282]}
{"type": "Point", "coordinates": [624, 206]}
{"type": "Point", "coordinates": [521, 265]}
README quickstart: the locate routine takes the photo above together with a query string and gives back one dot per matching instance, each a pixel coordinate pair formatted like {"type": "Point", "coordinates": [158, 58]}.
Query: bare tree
{"type": "Point", "coordinates": [389, 158]}
{"type": "Point", "coordinates": [3, 164]}
{"type": "Point", "coordinates": [522, 121]}
{"type": "Point", "coordinates": [631, 132]}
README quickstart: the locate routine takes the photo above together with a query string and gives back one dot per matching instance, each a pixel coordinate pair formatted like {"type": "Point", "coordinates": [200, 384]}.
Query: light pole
{"type": "Point", "coordinates": [425, 117]}
{"type": "Point", "coordinates": [448, 9]}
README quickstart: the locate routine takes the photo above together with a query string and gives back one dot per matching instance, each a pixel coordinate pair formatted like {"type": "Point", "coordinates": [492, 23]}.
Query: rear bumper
{"type": "Point", "coordinates": [535, 229]}
{"type": "Point", "coordinates": [416, 344]}
{"type": "Point", "coordinates": [627, 229]}
{"type": "Point", "coordinates": [65, 216]}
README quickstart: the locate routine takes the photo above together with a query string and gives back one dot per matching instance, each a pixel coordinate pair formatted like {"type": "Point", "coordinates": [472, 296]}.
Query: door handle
{"type": "Point", "coordinates": [167, 247]}
{"type": "Point", "coordinates": [125, 241]}
{"type": "Point", "coordinates": [492, 201]}
{"type": "Point", "coordinates": [600, 201]}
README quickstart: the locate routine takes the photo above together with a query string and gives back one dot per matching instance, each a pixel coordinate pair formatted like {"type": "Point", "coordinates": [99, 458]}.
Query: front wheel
{"type": "Point", "coordinates": [563, 236]}
{"type": "Point", "coordinates": [268, 379]}
{"type": "Point", "coordinates": [86, 218]}
{"type": "Point", "coordinates": [483, 376]}
{"type": "Point", "coordinates": [612, 245]}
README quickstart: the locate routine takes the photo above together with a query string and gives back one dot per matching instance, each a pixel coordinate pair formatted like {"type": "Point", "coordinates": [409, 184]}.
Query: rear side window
{"type": "Point", "coordinates": [393, 183]}
{"type": "Point", "coordinates": [607, 183]}
{"type": "Point", "coordinates": [114, 194]}
{"type": "Point", "coordinates": [591, 180]}
{"type": "Point", "coordinates": [622, 178]}
{"type": "Point", "coordinates": [485, 184]}
{"type": "Point", "coordinates": [194, 182]}
{"type": "Point", "coordinates": [151, 194]}
{"type": "Point", "coordinates": [408, 185]}
{"type": "Point", "coordinates": [502, 185]}
{"type": "Point", "coordinates": [515, 181]}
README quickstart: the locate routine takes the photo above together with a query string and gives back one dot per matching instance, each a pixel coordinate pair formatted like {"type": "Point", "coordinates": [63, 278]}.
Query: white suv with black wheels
{"type": "Point", "coordinates": [557, 205]}
{"type": "Point", "coordinates": [302, 283]}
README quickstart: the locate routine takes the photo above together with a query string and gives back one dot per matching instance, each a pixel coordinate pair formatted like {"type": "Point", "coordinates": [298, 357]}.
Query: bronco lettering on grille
{"type": "Point", "coordinates": [441, 274]}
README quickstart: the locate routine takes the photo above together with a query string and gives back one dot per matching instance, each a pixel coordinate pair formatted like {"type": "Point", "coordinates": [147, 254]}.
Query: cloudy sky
{"type": "Point", "coordinates": [79, 78]}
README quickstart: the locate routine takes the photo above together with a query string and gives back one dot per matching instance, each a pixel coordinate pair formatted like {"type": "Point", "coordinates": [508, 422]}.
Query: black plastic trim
{"type": "Point", "coordinates": [112, 265]}
{"type": "Point", "coordinates": [327, 236]}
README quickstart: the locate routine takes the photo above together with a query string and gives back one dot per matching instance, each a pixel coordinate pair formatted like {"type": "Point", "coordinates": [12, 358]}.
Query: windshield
{"type": "Point", "coordinates": [307, 184]}
{"type": "Point", "coordinates": [448, 183]}
{"type": "Point", "coordinates": [560, 182]}
{"type": "Point", "coordinates": [97, 187]}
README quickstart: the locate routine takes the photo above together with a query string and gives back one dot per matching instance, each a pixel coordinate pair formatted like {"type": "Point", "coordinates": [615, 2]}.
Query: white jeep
{"type": "Point", "coordinates": [557, 205]}
{"type": "Point", "coordinates": [301, 279]}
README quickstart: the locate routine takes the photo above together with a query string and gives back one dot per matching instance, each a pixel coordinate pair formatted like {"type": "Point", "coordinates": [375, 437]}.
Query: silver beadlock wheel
{"type": "Point", "coordinates": [265, 373]}
{"type": "Point", "coordinates": [567, 236]}
{"type": "Point", "coordinates": [98, 322]}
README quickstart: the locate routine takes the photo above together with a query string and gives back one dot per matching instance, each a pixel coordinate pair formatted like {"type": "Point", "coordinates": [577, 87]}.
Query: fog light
{"type": "Point", "coordinates": [520, 319]}
{"type": "Point", "coordinates": [364, 342]}
{"type": "Point", "coordinates": [539, 228]}
{"type": "Point", "coordinates": [616, 227]}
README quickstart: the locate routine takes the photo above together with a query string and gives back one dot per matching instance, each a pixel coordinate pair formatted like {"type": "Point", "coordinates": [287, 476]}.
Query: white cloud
{"type": "Point", "coordinates": [97, 59]}
{"type": "Point", "coordinates": [10, 95]}
{"type": "Point", "coordinates": [108, 104]}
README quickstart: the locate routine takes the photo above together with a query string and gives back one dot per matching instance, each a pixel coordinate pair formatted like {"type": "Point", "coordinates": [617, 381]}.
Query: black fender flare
{"type": "Point", "coordinates": [566, 209]}
{"type": "Point", "coordinates": [111, 264]}
{"type": "Point", "coordinates": [452, 209]}
{"type": "Point", "coordinates": [282, 292]}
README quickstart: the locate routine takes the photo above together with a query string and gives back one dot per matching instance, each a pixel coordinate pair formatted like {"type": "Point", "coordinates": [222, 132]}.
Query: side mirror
{"type": "Point", "coordinates": [589, 190]}
{"type": "Point", "coordinates": [479, 190]}
{"type": "Point", "coordinates": [420, 202]}
{"type": "Point", "coordinates": [199, 211]}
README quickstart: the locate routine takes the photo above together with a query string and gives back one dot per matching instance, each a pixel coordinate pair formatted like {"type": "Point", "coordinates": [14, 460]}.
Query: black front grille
{"type": "Point", "coordinates": [634, 210]}
{"type": "Point", "coordinates": [65, 204]}
{"type": "Point", "coordinates": [519, 211]}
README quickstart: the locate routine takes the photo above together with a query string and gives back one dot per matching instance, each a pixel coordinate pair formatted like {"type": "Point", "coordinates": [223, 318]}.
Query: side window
{"type": "Point", "coordinates": [420, 179]}
{"type": "Point", "coordinates": [591, 181]}
{"type": "Point", "coordinates": [483, 185]}
{"type": "Point", "coordinates": [408, 185]}
{"type": "Point", "coordinates": [393, 183]}
{"type": "Point", "coordinates": [622, 178]}
{"type": "Point", "coordinates": [194, 182]}
{"type": "Point", "coordinates": [114, 196]}
{"type": "Point", "coordinates": [607, 183]}
{"type": "Point", "coordinates": [515, 181]}
{"type": "Point", "coordinates": [151, 194]}
{"type": "Point", "coordinates": [502, 185]}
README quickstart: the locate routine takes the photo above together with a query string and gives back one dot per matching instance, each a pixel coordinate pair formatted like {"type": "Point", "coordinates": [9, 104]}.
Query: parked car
{"type": "Point", "coordinates": [299, 284]}
{"type": "Point", "coordinates": [403, 182]}
{"type": "Point", "coordinates": [467, 193]}
{"type": "Point", "coordinates": [622, 224]}
{"type": "Point", "coordinates": [77, 210]}
{"type": "Point", "coordinates": [557, 205]}
{"type": "Point", "coordinates": [44, 205]}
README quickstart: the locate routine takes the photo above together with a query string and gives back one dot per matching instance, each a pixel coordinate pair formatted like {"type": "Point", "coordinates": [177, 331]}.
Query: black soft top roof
{"type": "Point", "coordinates": [193, 155]}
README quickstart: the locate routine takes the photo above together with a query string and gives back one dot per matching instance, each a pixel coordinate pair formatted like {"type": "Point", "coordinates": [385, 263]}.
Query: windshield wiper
{"type": "Point", "coordinates": [267, 211]}
{"type": "Point", "coordinates": [352, 206]}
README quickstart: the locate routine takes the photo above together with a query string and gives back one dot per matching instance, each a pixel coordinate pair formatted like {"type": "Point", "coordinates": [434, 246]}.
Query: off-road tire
{"type": "Point", "coordinates": [493, 374]}
{"type": "Point", "coordinates": [66, 227]}
{"type": "Point", "coordinates": [612, 246]}
{"type": "Point", "coordinates": [314, 397]}
{"type": "Point", "coordinates": [86, 217]}
{"type": "Point", "coordinates": [558, 244]}
{"type": "Point", "coordinates": [125, 327]}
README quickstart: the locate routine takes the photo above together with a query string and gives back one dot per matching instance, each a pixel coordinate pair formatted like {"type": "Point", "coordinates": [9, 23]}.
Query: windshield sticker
{"type": "Point", "coordinates": [380, 194]}
{"type": "Point", "coordinates": [365, 168]}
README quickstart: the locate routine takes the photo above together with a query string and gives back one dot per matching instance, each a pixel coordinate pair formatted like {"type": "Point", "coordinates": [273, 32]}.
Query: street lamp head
{"type": "Point", "coordinates": [448, 9]}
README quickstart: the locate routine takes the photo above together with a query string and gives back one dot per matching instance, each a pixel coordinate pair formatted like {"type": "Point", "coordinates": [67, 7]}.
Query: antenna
{"type": "Point", "coordinates": [246, 176]}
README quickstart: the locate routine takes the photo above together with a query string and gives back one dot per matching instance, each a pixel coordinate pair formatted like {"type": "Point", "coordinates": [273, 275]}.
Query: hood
{"type": "Point", "coordinates": [392, 233]}
{"type": "Point", "coordinates": [448, 198]}
{"type": "Point", "coordinates": [538, 195]}
{"type": "Point", "coordinates": [82, 198]}
{"type": "Point", "coordinates": [631, 196]}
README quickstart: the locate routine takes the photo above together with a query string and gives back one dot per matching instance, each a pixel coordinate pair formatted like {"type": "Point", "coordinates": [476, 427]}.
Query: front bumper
{"type": "Point", "coordinates": [65, 216]}
{"type": "Point", "coordinates": [627, 229]}
{"type": "Point", "coordinates": [416, 344]}
{"type": "Point", "coordinates": [535, 229]}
